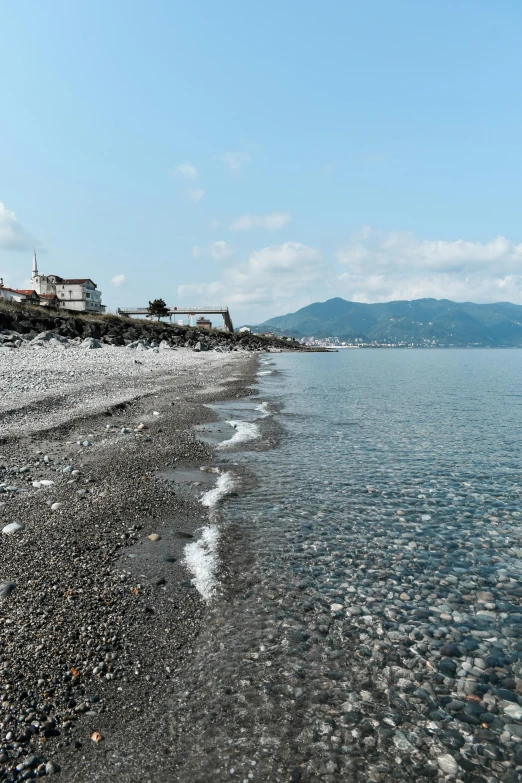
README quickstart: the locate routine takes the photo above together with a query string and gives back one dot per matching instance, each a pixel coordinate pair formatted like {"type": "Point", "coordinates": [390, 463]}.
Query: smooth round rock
{"type": "Point", "coordinates": [513, 711]}
{"type": "Point", "coordinates": [6, 588]}
{"type": "Point", "coordinates": [450, 650]}
{"type": "Point", "coordinates": [447, 764]}
{"type": "Point", "coordinates": [13, 527]}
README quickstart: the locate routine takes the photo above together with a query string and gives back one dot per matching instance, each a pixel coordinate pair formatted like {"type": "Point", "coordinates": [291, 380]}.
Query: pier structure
{"type": "Point", "coordinates": [190, 311]}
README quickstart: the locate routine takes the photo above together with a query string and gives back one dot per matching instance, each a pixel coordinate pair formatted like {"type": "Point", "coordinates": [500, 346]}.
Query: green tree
{"type": "Point", "coordinates": [157, 309]}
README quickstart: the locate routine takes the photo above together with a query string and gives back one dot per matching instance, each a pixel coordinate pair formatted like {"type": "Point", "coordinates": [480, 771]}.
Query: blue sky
{"type": "Point", "coordinates": [263, 155]}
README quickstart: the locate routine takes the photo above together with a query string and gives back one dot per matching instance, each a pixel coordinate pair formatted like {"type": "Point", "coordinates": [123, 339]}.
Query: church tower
{"type": "Point", "coordinates": [36, 279]}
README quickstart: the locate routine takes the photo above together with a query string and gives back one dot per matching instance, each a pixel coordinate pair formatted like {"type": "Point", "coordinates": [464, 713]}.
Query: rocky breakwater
{"type": "Point", "coordinates": [17, 326]}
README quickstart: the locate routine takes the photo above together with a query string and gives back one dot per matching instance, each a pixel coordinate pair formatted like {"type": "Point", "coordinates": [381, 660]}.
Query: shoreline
{"type": "Point", "coordinates": [93, 634]}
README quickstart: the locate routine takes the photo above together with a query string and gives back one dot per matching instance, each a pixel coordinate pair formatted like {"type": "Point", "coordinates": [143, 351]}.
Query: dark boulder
{"type": "Point", "coordinates": [92, 329]}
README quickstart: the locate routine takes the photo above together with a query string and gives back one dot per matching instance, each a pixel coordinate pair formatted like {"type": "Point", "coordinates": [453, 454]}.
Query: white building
{"type": "Point", "coordinates": [73, 294]}
{"type": "Point", "coordinates": [18, 295]}
{"type": "Point", "coordinates": [244, 329]}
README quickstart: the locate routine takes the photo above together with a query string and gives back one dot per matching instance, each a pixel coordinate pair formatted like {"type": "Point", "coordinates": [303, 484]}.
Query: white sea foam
{"type": "Point", "coordinates": [224, 486]}
{"type": "Point", "coordinates": [265, 372]}
{"type": "Point", "coordinates": [201, 559]}
{"type": "Point", "coordinates": [263, 409]}
{"type": "Point", "coordinates": [245, 431]}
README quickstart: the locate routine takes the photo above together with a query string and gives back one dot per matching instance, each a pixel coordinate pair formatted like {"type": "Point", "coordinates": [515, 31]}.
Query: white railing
{"type": "Point", "coordinates": [198, 309]}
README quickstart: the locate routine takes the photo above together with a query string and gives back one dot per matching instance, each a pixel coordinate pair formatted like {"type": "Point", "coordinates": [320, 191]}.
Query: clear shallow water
{"type": "Point", "coordinates": [374, 632]}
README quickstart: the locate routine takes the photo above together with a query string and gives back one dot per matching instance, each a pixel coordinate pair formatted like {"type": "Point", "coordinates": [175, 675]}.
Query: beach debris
{"type": "Point", "coordinates": [154, 537]}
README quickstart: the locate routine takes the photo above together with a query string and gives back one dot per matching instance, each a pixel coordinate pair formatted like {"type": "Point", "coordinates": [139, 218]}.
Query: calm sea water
{"type": "Point", "coordinates": [373, 630]}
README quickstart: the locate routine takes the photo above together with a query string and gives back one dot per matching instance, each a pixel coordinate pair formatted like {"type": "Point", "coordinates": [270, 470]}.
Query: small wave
{"type": "Point", "coordinates": [245, 431]}
{"type": "Point", "coordinates": [265, 372]}
{"type": "Point", "coordinates": [201, 558]}
{"type": "Point", "coordinates": [224, 486]}
{"type": "Point", "coordinates": [263, 409]}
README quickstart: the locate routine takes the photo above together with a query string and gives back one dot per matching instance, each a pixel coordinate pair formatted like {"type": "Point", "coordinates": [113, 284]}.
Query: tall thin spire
{"type": "Point", "coordinates": [35, 265]}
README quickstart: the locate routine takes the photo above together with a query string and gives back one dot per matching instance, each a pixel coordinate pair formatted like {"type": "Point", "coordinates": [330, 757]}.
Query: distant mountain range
{"type": "Point", "coordinates": [420, 321]}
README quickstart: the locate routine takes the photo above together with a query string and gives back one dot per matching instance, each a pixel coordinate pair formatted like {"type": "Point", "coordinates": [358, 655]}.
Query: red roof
{"type": "Point", "coordinates": [73, 281]}
{"type": "Point", "coordinates": [79, 281]}
{"type": "Point", "coordinates": [17, 291]}
{"type": "Point", "coordinates": [47, 296]}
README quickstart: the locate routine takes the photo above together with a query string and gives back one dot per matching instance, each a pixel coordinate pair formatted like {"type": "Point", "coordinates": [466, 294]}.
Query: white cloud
{"type": "Point", "coordinates": [118, 280]}
{"type": "Point", "coordinates": [372, 267]}
{"type": "Point", "coordinates": [281, 277]}
{"type": "Point", "coordinates": [186, 171]}
{"type": "Point", "coordinates": [189, 173]}
{"type": "Point", "coordinates": [12, 234]}
{"type": "Point", "coordinates": [196, 195]}
{"type": "Point", "coordinates": [220, 250]}
{"type": "Point", "coordinates": [270, 222]}
{"type": "Point", "coordinates": [291, 257]}
{"type": "Point", "coordinates": [383, 267]}
{"type": "Point", "coordinates": [234, 161]}
{"type": "Point", "coordinates": [220, 293]}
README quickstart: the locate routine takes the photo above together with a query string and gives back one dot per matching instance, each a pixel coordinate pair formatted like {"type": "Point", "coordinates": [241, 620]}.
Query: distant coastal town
{"type": "Point", "coordinates": [335, 342]}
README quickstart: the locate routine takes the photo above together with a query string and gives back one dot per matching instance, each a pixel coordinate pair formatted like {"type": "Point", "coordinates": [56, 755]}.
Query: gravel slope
{"type": "Point", "coordinates": [46, 383]}
{"type": "Point", "coordinates": [97, 616]}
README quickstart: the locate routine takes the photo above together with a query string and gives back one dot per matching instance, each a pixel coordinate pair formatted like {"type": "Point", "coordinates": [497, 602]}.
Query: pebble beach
{"type": "Point", "coordinates": [199, 585]}
{"type": "Point", "coordinates": [98, 608]}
